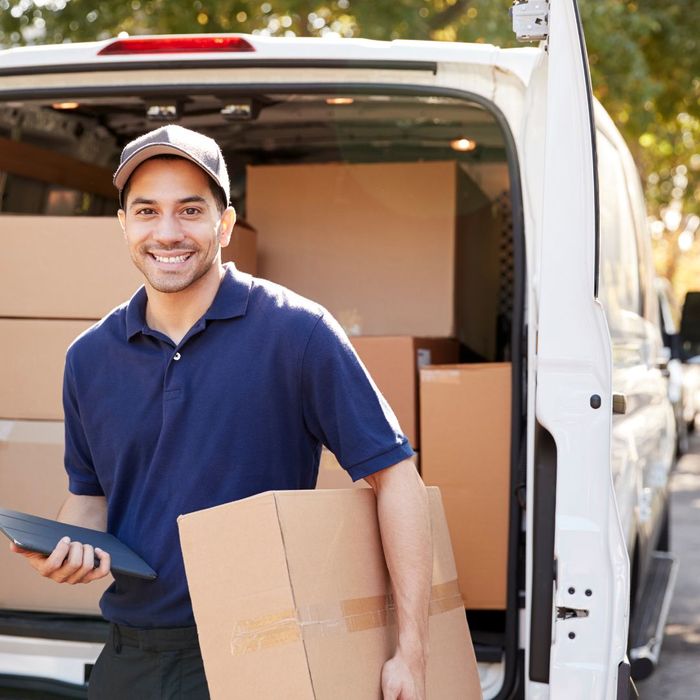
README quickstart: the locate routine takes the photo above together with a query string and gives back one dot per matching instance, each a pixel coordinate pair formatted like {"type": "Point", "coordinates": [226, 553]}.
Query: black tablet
{"type": "Point", "coordinates": [42, 535]}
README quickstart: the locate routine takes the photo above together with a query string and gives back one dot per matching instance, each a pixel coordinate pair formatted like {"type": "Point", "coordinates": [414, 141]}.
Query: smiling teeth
{"type": "Point", "coordinates": [172, 258]}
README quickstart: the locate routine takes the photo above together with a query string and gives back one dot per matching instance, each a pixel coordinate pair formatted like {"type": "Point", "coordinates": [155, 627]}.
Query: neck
{"type": "Point", "coordinates": [175, 313]}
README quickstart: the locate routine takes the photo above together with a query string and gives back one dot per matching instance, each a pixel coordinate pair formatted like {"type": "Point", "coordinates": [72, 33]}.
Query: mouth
{"type": "Point", "coordinates": [171, 258]}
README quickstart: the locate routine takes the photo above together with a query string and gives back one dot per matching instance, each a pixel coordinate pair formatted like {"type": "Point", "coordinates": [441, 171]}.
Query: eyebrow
{"type": "Point", "coordinates": [185, 200]}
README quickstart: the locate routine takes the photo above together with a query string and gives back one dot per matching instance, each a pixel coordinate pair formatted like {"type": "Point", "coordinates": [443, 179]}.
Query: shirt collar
{"type": "Point", "coordinates": [231, 300]}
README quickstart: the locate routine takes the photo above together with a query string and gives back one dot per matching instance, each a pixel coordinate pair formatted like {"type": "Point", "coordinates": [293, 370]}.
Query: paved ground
{"type": "Point", "coordinates": [678, 675]}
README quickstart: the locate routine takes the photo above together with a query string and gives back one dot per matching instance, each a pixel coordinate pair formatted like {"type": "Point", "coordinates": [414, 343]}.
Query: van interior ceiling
{"type": "Point", "coordinates": [393, 197]}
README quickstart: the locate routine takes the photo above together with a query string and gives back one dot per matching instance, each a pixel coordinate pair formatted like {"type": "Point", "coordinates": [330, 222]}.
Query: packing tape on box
{"type": "Point", "coordinates": [349, 615]}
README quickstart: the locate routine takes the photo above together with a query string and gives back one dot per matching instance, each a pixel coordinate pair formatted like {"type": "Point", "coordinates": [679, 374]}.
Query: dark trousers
{"type": "Point", "coordinates": [149, 664]}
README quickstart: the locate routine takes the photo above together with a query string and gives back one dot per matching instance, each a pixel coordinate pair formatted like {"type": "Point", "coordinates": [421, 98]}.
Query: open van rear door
{"type": "Point", "coordinates": [579, 568]}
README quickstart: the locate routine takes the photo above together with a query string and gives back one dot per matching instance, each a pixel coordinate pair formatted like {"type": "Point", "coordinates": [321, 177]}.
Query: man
{"type": "Point", "coordinates": [206, 387]}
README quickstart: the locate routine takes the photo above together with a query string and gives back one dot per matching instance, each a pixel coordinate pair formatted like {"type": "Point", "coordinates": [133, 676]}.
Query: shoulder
{"type": "Point", "coordinates": [100, 337]}
{"type": "Point", "coordinates": [281, 305]}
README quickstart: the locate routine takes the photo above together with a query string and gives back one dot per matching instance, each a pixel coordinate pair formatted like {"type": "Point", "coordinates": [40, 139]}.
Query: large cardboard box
{"type": "Point", "coordinates": [243, 248]}
{"type": "Point", "coordinates": [33, 480]}
{"type": "Point", "coordinates": [393, 363]}
{"type": "Point", "coordinates": [64, 267]}
{"type": "Point", "coordinates": [291, 597]}
{"type": "Point", "coordinates": [32, 356]}
{"type": "Point", "coordinates": [373, 242]}
{"type": "Point", "coordinates": [465, 450]}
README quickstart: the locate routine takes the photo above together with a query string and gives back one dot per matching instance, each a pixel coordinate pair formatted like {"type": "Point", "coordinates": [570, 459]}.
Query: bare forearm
{"type": "Point", "coordinates": [404, 522]}
{"type": "Point", "coordinates": [84, 511]}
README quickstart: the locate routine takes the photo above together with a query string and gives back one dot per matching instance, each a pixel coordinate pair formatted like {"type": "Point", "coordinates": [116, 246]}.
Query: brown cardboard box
{"type": "Point", "coordinates": [373, 242]}
{"type": "Point", "coordinates": [64, 267]}
{"type": "Point", "coordinates": [33, 480]}
{"type": "Point", "coordinates": [290, 597]}
{"type": "Point", "coordinates": [465, 450]}
{"type": "Point", "coordinates": [393, 363]}
{"type": "Point", "coordinates": [32, 356]}
{"type": "Point", "coordinates": [243, 248]}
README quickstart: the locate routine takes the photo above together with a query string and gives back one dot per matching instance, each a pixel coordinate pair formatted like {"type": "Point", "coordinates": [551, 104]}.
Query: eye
{"type": "Point", "coordinates": [191, 211]}
{"type": "Point", "coordinates": [146, 211]}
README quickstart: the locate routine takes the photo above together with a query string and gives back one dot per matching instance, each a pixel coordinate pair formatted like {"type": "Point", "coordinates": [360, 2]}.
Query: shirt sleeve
{"type": "Point", "coordinates": [344, 408]}
{"type": "Point", "coordinates": [82, 479]}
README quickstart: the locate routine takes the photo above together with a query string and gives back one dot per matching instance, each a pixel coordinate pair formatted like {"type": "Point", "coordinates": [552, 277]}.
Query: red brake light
{"type": "Point", "coordinates": [183, 44]}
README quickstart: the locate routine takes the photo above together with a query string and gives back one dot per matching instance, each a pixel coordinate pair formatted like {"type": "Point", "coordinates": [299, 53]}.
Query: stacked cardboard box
{"type": "Point", "coordinates": [32, 479]}
{"type": "Point", "coordinates": [375, 243]}
{"type": "Point", "coordinates": [465, 427]}
{"type": "Point", "coordinates": [243, 248]}
{"type": "Point", "coordinates": [393, 363]}
{"type": "Point", "coordinates": [292, 599]}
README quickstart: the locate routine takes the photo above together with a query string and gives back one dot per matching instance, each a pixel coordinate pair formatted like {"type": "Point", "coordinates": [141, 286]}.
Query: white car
{"type": "Point", "coordinates": [555, 279]}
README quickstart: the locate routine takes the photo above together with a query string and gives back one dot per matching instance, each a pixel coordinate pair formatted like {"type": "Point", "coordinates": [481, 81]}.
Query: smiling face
{"type": "Point", "coordinates": [172, 225]}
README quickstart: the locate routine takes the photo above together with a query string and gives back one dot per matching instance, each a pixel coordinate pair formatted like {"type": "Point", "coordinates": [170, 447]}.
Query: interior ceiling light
{"type": "Point", "coordinates": [242, 109]}
{"type": "Point", "coordinates": [65, 105]}
{"type": "Point", "coordinates": [463, 144]}
{"type": "Point", "coordinates": [162, 112]}
{"type": "Point", "coordinates": [339, 100]}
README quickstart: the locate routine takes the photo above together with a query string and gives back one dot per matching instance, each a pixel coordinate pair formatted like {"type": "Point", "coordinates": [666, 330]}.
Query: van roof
{"type": "Point", "coordinates": [37, 59]}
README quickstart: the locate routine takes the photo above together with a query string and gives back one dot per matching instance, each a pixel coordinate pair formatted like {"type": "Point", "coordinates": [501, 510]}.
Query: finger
{"type": "Point", "coordinates": [86, 566]}
{"type": "Point", "coordinates": [75, 556]}
{"type": "Point", "coordinates": [103, 569]}
{"type": "Point", "coordinates": [58, 556]}
{"type": "Point", "coordinates": [71, 563]}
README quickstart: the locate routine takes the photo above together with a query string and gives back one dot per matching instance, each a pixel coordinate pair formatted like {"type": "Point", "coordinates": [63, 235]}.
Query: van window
{"type": "Point", "coordinates": [620, 291]}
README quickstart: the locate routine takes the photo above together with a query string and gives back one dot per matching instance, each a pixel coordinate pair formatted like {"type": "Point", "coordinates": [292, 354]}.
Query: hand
{"type": "Point", "coordinates": [70, 562]}
{"type": "Point", "coordinates": [402, 680]}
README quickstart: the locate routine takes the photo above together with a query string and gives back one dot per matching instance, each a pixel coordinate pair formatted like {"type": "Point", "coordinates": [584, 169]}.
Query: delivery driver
{"type": "Point", "coordinates": [208, 386]}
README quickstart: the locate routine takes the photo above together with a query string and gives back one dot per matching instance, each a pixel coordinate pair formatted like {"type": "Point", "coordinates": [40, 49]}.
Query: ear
{"type": "Point", "coordinates": [121, 215]}
{"type": "Point", "coordinates": [226, 224]}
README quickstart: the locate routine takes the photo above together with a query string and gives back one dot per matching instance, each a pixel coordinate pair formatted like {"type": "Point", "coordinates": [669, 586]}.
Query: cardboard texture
{"type": "Point", "coordinates": [290, 594]}
{"type": "Point", "coordinates": [465, 450]}
{"type": "Point", "coordinates": [32, 356]}
{"type": "Point", "coordinates": [393, 363]}
{"type": "Point", "coordinates": [33, 480]}
{"type": "Point", "coordinates": [374, 243]}
{"type": "Point", "coordinates": [77, 267]}
{"type": "Point", "coordinates": [243, 248]}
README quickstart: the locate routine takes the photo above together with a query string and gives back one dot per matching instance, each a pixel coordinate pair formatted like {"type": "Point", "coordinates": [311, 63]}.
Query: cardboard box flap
{"type": "Point", "coordinates": [251, 617]}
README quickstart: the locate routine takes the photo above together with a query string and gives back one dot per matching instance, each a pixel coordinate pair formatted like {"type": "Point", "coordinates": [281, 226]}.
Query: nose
{"type": "Point", "coordinates": [168, 230]}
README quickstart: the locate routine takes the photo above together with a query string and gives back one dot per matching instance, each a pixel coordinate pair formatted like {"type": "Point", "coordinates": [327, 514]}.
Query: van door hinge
{"type": "Point", "coordinates": [530, 19]}
{"type": "Point", "coordinates": [568, 613]}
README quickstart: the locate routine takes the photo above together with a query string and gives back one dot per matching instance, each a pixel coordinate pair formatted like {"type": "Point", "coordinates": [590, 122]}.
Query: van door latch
{"type": "Point", "coordinates": [568, 613]}
{"type": "Point", "coordinates": [530, 19]}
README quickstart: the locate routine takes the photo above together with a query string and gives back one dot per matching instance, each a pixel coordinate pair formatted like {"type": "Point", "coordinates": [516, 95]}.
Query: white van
{"type": "Point", "coordinates": [417, 189]}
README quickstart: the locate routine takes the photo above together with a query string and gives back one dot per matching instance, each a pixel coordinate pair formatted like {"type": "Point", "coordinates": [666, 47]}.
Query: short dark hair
{"type": "Point", "coordinates": [218, 194]}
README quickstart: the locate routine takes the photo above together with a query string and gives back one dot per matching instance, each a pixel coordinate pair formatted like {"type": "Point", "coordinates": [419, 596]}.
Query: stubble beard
{"type": "Point", "coordinates": [170, 283]}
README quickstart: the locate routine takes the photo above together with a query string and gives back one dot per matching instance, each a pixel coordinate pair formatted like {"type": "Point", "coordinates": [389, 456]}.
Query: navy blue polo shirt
{"type": "Point", "coordinates": [241, 405]}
